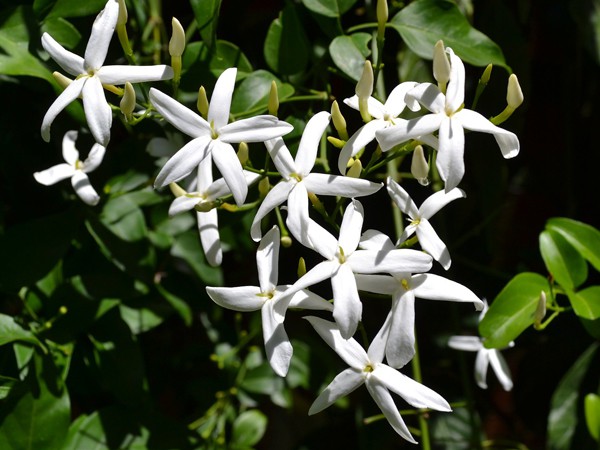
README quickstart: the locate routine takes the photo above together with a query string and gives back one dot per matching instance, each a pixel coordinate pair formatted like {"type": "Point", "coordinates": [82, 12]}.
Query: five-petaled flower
{"type": "Point", "coordinates": [91, 74]}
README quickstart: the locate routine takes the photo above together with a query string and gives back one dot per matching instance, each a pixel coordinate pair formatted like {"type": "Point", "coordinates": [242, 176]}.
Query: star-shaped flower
{"type": "Point", "coordinates": [428, 238]}
{"type": "Point", "coordinates": [265, 297]}
{"type": "Point", "coordinates": [202, 199]}
{"type": "Point", "coordinates": [404, 287]}
{"type": "Point", "coordinates": [296, 173]}
{"type": "Point", "coordinates": [91, 74]}
{"type": "Point", "coordinates": [366, 368]}
{"type": "Point", "coordinates": [214, 136]}
{"type": "Point", "coordinates": [451, 119]}
{"type": "Point", "coordinates": [75, 169]}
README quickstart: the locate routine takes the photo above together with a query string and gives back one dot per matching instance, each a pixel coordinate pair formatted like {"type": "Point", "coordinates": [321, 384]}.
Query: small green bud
{"type": "Point", "coordinates": [63, 310]}
{"type": "Point", "coordinates": [338, 121]}
{"type": "Point", "coordinates": [122, 19]}
{"type": "Point", "coordinates": [273, 105]}
{"type": "Point", "coordinates": [487, 74]}
{"type": "Point", "coordinates": [286, 241]}
{"type": "Point", "coordinates": [338, 143]}
{"type": "Point", "coordinates": [202, 104]}
{"type": "Point", "coordinates": [127, 103]}
{"type": "Point", "coordinates": [301, 267]}
{"type": "Point", "coordinates": [62, 80]}
{"type": "Point", "coordinates": [263, 187]}
{"type": "Point", "coordinates": [382, 17]}
{"type": "Point", "coordinates": [514, 94]}
{"type": "Point", "coordinates": [355, 169]}
{"type": "Point", "coordinates": [242, 153]}
{"type": "Point", "coordinates": [540, 311]}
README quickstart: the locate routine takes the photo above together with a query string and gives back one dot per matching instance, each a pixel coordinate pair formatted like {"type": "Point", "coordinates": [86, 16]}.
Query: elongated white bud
{"type": "Point", "coordinates": [273, 105]}
{"type": "Point", "coordinates": [514, 94]}
{"type": "Point", "coordinates": [364, 89]}
{"type": "Point", "coordinates": [127, 103]}
{"type": "Point", "coordinates": [441, 64]}
{"type": "Point", "coordinates": [419, 166]}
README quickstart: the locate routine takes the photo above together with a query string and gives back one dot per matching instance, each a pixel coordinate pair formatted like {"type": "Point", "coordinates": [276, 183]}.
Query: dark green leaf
{"type": "Point", "coordinates": [329, 8]}
{"type": "Point", "coordinates": [424, 22]}
{"type": "Point", "coordinates": [10, 331]}
{"type": "Point", "coordinates": [248, 428]}
{"type": "Point", "coordinates": [565, 264]}
{"type": "Point", "coordinates": [142, 319]}
{"type": "Point", "coordinates": [262, 380]}
{"type": "Point", "coordinates": [512, 310]}
{"type": "Point", "coordinates": [299, 371]}
{"type": "Point", "coordinates": [586, 303]}
{"type": "Point", "coordinates": [592, 415]}
{"type": "Point", "coordinates": [187, 247]}
{"type": "Point", "coordinates": [562, 419]}
{"type": "Point", "coordinates": [253, 92]}
{"type": "Point", "coordinates": [350, 52]}
{"type": "Point", "coordinates": [178, 304]}
{"type": "Point", "coordinates": [207, 17]}
{"type": "Point", "coordinates": [125, 182]}
{"type": "Point", "coordinates": [63, 31]}
{"type": "Point", "coordinates": [286, 47]}
{"type": "Point", "coordinates": [585, 238]}
{"type": "Point", "coordinates": [75, 8]}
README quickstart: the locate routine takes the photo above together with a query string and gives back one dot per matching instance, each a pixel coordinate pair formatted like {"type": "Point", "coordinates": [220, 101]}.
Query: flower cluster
{"type": "Point", "coordinates": [353, 259]}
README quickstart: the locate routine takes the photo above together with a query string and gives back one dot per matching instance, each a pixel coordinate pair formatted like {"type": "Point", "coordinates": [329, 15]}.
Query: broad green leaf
{"type": "Point", "coordinates": [562, 419]}
{"type": "Point", "coordinates": [123, 216]}
{"type": "Point", "coordinates": [125, 182]}
{"type": "Point", "coordinates": [187, 247]}
{"type": "Point", "coordinates": [61, 30]}
{"type": "Point", "coordinates": [10, 331]}
{"type": "Point", "coordinates": [424, 22]}
{"type": "Point", "coordinates": [329, 8]}
{"type": "Point", "coordinates": [584, 237]}
{"type": "Point", "coordinates": [75, 8]}
{"type": "Point", "coordinates": [253, 91]}
{"type": "Point", "coordinates": [299, 371]}
{"type": "Point", "coordinates": [248, 428]}
{"type": "Point", "coordinates": [36, 413]}
{"type": "Point", "coordinates": [565, 264]}
{"type": "Point", "coordinates": [207, 17]}
{"type": "Point", "coordinates": [592, 415]}
{"type": "Point", "coordinates": [141, 319]}
{"type": "Point", "coordinates": [512, 310]}
{"type": "Point", "coordinates": [177, 303]}
{"type": "Point", "coordinates": [586, 303]}
{"type": "Point", "coordinates": [286, 47]}
{"type": "Point", "coordinates": [262, 380]}
{"type": "Point", "coordinates": [349, 53]}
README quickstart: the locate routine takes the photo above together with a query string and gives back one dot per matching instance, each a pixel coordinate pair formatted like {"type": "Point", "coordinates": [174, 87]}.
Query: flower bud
{"type": "Point", "coordinates": [487, 74]}
{"type": "Point", "coordinates": [122, 29]}
{"type": "Point", "coordinates": [177, 190]}
{"type": "Point", "coordinates": [301, 267]}
{"type": "Point", "coordinates": [263, 187]}
{"type": "Point", "coordinates": [338, 121]}
{"type": "Point", "coordinates": [441, 64]}
{"type": "Point", "coordinates": [338, 143]}
{"type": "Point", "coordinates": [286, 241]}
{"type": "Point", "coordinates": [242, 153]}
{"type": "Point", "coordinates": [514, 94]}
{"type": "Point", "coordinates": [127, 103]}
{"type": "Point", "coordinates": [202, 103]}
{"type": "Point", "coordinates": [364, 89]}
{"type": "Point", "coordinates": [177, 42]}
{"type": "Point", "coordinates": [355, 169]}
{"type": "Point", "coordinates": [273, 105]}
{"type": "Point", "coordinates": [62, 80]}
{"type": "Point", "coordinates": [540, 311]}
{"type": "Point", "coordinates": [382, 17]}
{"type": "Point", "coordinates": [419, 166]}
{"type": "Point", "coordinates": [122, 19]}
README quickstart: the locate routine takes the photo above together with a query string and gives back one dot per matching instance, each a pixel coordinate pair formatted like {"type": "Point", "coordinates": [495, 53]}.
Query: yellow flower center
{"type": "Point", "coordinates": [405, 284]}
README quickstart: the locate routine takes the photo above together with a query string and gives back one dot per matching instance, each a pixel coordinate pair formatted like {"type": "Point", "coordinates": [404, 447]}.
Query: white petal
{"type": "Point", "coordinates": [455, 92]}
{"type": "Point", "coordinates": [97, 111]}
{"type": "Point", "coordinates": [400, 348]}
{"type": "Point", "coordinates": [277, 344]}
{"type": "Point", "coordinates": [393, 261]}
{"type": "Point", "coordinates": [69, 152]}
{"type": "Point", "coordinates": [386, 404]}
{"type": "Point", "coordinates": [230, 167]}
{"type": "Point", "coordinates": [305, 299]}
{"type": "Point", "coordinates": [450, 161]}
{"type": "Point", "coordinates": [94, 159]}
{"type": "Point", "coordinates": [54, 174]}
{"type": "Point", "coordinates": [508, 142]}
{"type": "Point", "coordinates": [267, 260]}
{"type": "Point", "coordinates": [71, 92]}
{"type": "Point", "coordinates": [428, 95]}
{"type": "Point", "coordinates": [134, 74]}
{"type": "Point", "coordinates": [309, 143]}
{"type": "Point", "coordinates": [482, 361]}
{"type": "Point", "coordinates": [405, 130]}
{"type": "Point", "coordinates": [395, 102]}
{"type": "Point", "coordinates": [358, 141]}
{"type": "Point", "coordinates": [220, 101]}
{"type": "Point", "coordinates": [181, 117]}
{"type": "Point", "coordinates": [320, 272]}
{"type": "Point", "coordinates": [70, 62]}
{"type": "Point", "coordinates": [402, 199]}
{"type": "Point", "coordinates": [374, 106]}
{"type": "Point", "coordinates": [182, 204]}
{"type": "Point", "coordinates": [438, 200]}
{"type": "Point", "coordinates": [279, 153]}
{"type": "Point", "coordinates": [83, 188]}
{"type": "Point", "coordinates": [343, 384]}
{"type": "Point", "coordinates": [347, 307]}
{"type": "Point", "coordinates": [378, 284]}
{"type": "Point", "coordinates": [348, 349]}
{"type": "Point", "coordinates": [102, 31]}
{"type": "Point", "coordinates": [376, 350]}
{"type": "Point", "coordinates": [184, 162]}
{"type": "Point", "coordinates": [204, 179]}
{"type": "Point", "coordinates": [501, 369]}
{"type": "Point", "coordinates": [414, 393]}
{"type": "Point", "coordinates": [351, 227]}
{"type": "Point", "coordinates": [434, 287]}
{"type": "Point", "coordinates": [254, 129]}
{"type": "Point", "coordinates": [208, 227]}
{"type": "Point", "coordinates": [322, 184]}
{"type": "Point", "coordinates": [375, 240]}
{"type": "Point", "coordinates": [432, 244]}
{"type": "Point", "coordinates": [242, 298]}
{"type": "Point", "coordinates": [274, 198]}
{"type": "Point", "coordinates": [465, 343]}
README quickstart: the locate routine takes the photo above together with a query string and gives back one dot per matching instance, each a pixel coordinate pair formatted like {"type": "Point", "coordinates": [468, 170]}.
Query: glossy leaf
{"type": "Point", "coordinates": [586, 303]}
{"type": "Point", "coordinates": [350, 52]}
{"type": "Point", "coordinates": [248, 428]}
{"type": "Point", "coordinates": [584, 237]}
{"type": "Point", "coordinates": [177, 303]}
{"type": "Point", "coordinates": [70, 8]}
{"type": "Point", "coordinates": [565, 264]}
{"type": "Point", "coordinates": [207, 17]}
{"type": "Point", "coordinates": [187, 247]}
{"type": "Point", "coordinates": [512, 310]}
{"type": "Point", "coordinates": [424, 22]}
{"type": "Point", "coordinates": [63, 31]}
{"type": "Point", "coordinates": [286, 47]}
{"type": "Point", "coordinates": [562, 419]}
{"type": "Point", "coordinates": [10, 331]}
{"type": "Point", "coordinates": [592, 415]}
{"type": "Point", "coordinates": [329, 8]}
{"type": "Point", "coordinates": [253, 92]}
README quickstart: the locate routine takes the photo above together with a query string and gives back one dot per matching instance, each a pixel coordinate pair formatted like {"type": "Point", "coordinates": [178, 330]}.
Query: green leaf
{"type": "Point", "coordinates": [585, 238]}
{"type": "Point", "coordinates": [286, 46]}
{"type": "Point", "coordinates": [586, 303]}
{"type": "Point", "coordinates": [177, 303]}
{"type": "Point", "coordinates": [187, 247]}
{"type": "Point", "coordinates": [329, 8]}
{"type": "Point", "coordinates": [10, 331]}
{"type": "Point", "coordinates": [562, 420]}
{"type": "Point", "coordinates": [207, 17]}
{"type": "Point", "coordinates": [349, 53]}
{"type": "Point", "coordinates": [140, 320]}
{"type": "Point", "coordinates": [512, 310]}
{"type": "Point", "coordinates": [299, 371]}
{"type": "Point", "coordinates": [63, 31]}
{"type": "Point", "coordinates": [424, 22]}
{"type": "Point", "coordinates": [75, 8]}
{"type": "Point", "coordinates": [592, 415]}
{"type": "Point", "coordinates": [248, 428]}
{"type": "Point", "coordinates": [565, 264]}
{"type": "Point", "coordinates": [253, 92]}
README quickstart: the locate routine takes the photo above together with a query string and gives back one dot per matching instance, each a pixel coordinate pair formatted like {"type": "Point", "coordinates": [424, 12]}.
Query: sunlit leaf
{"type": "Point", "coordinates": [586, 303]}
{"type": "Point", "coordinates": [207, 17]}
{"type": "Point", "coordinates": [10, 331]}
{"type": "Point", "coordinates": [592, 415]}
{"type": "Point", "coordinates": [329, 8]}
{"type": "Point", "coordinates": [565, 264]}
{"type": "Point", "coordinates": [584, 237]}
{"type": "Point", "coordinates": [248, 428]}
{"type": "Point", "coordinates": [253, 91]}
{"type": "Point", "coordinates": [349, 53]}
{"type": "Point", "coordinates": [286, 47]}
{"type": "Point", "coordinates": [64, 32]}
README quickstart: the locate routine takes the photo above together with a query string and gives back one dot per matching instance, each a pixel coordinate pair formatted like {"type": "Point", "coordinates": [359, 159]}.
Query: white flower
{"type": "Point", "coordinates": [91, 74]}
{"type": "Point", "coordinates": [404, 287]}
{"type": "Point", "coordinates": [75, 169]}
{"type": "Point", "coordinates": [485, 357]}
{"type": "Point", "coordinates": [297, 177]}
{"type": "Point", "coordinates": [451, 119]}
{"type": "Point", "coordinates": [367, 367]}
{"type": "Point", "coordinates": [428, 238]}
{"type": "Point", "coordinates": [202, 200]}
{"type": "Point", "coordinates": [343, 261]}
{"type": "Point", "coordinates": [214, 136]}
{"type": "Point", "coordinates": [264, 297]}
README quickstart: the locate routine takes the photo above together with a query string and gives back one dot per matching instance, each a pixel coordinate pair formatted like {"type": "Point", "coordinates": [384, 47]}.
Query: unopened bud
{"type": "Point", "coordinates": [273, 105]}
{"type": "Point", "coordinates": [122, 19]}
{"type": "Point", "coordinates": [63, 310]}
{"type": "Point", "coordinates": [177, 190]}
{"type": "Point", "coordinates": [355, 169]}
{"type": "Point", "coordinates": [338, 121]}
{"type": "Point", "coordinates": [364, 89]}
{"type": "Point", "coordinates": [540, 311]}
{"type": "Point", "coordinates": [514, 94]}
{"type": "Point", "coordinates": [441, 64]}
{"type": "Point", "coordinates": [382, 17]}
{"type": "Point", "coordinates": [229, 207]}
{"type": "Point", "coordinates": [122, 29]}
{"type": "Point", "coordinates": [177, 42]}
{"type": "Point", "coordinates": [62, 80]}
{"type": "Point", "coordinates": [127, 103]}
{"type": "Point", "coordinates": [486, 75]}
{"type": "Point", "coordinates": [264, 186]}
{"type": "Point", "coordinates": [419, 166]}
{"type": "Point", "coordinates": [202, 103]}
{"type": "Point", "coordinates": [301, 267]}
{"type": "Point", "coordinates": [242, 153]}
{"type": "Point", "coordinates": [286, 241]}
{"type": "Point", "coordinates": [338, 143]}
